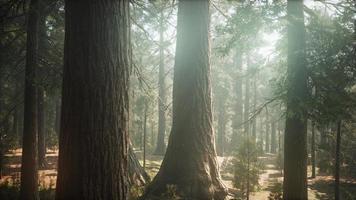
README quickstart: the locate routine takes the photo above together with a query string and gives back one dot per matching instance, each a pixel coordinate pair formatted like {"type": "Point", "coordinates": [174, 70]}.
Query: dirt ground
{"type": "Point", "coordinates": [320, 188]}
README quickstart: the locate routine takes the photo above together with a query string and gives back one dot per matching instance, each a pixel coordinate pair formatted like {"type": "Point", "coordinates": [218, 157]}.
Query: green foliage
{"type": "Point", "coordinates": [247, 168]}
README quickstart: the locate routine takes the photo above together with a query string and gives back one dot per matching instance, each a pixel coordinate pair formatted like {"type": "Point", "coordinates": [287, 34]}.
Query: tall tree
{"type": "Point", "coordinates": [254, 122]}
{"type": "Point", "coordinates": [337, 161]}
{"type": "Point", "coordinates": [161, 145]}
{"type": "Point", "coordinates": [29, 176]}
{"type": "Point", "coordinates": [267, 136]}
{"type": "Point", "coordinates": [238, 114]}
{"type": "Point", "coordinates": [295, 140]}
{"type": "Point", "coordinates": [93, 144]}
{"type": "Point", "coordinates": [247, 98]}
{"type": "Point", "coordinates": [312, 149]}
{"type": "Point", "coordinates": [190, 161]}
{"type": "Point", "coordinates": [41, 90]}
{"type": "Point", "coordinates": [221, 138]}
{"type": "Point", "coordinates": [273, 136]}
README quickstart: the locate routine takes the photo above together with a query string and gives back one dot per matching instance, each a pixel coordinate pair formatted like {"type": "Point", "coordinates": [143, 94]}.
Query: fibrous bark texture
{"type": "Point", "coordinates": [190, 163]}
{"type": "Point", "coordinates": [29, 176]}
{"type": "Point", "coordinates": [93, 144]}
{"type": "Point", "coordinates": [295, 140]}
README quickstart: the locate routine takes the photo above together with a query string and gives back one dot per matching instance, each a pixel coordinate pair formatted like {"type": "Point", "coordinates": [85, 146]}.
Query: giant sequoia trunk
{"type": "Point", "coordinates": [161, 145]}
{"type": "Point", "coordinates": [93, 144]}
{"type": "Point", "coordinates": [29, 176]}
{"type": "Point", "coordinates": [190, 162]}
{"type": "Point", "coordinates": [295, 140]}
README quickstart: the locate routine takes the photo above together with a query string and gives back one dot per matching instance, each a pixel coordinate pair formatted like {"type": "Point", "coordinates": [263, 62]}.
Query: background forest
{"type": "Point", "coordinates": [158, 99]}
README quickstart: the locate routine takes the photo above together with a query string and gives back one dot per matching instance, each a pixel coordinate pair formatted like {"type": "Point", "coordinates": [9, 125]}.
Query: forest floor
{"type": "Point", "coordinates": [320, 188]}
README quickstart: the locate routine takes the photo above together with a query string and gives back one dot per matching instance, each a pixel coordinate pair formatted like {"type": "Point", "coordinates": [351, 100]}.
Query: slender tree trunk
{"type": "Point", "coordinates": [42, 49]}
{"type": "Point", "coordinates": [29, 176]}
{"type": "Point", "coordinates": [41, 128]}
{"type": "Point", "coordinates": [93, 144]}
{"type": "Point", "coordinates": [313, 149]}
{"type": "Point", "coordinates": [145, 135]}
{"type": "Point", "coordinates": [161, 146]}
{"type": "Point", "coordinates": [238, 114]}
{"type": "Point", "coordinates": [247, 99]}
{"type": "Point", "coordinates": [221, 126]}
{"type": "Point", "coordinates": [254, 123]}
{"type": "Point", "coordinates": [295, 140]}
{"type": "Point", "coordinates": [273, 137]}
{"type": "Point", "coordinates": [337, 161]}
{"type": "Point", "coordinates": [57, 122]}
{"type": "Point", "coordinates": [190, 161]}
{"type": "Point", "coordinates": [267, 136]}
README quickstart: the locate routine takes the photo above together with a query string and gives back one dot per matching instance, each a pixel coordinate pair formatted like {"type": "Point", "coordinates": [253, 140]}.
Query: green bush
{"type": "Point", "coordinates": [247, 168]}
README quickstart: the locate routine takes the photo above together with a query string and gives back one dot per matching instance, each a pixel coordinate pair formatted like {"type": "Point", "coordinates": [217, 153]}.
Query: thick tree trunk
{"type": "Point", "coordinates": [238, 114]}
{"type": "Point", "coordinates": [295, 140]}
{"type": "Point", "coordinates": [161, 145]}
{"type": "Point", "coordinates": [273, 137]}
{"type": "Point", "coordinates": [29, 176]}
{"type": "Point", "coordinates": [93, 144]}
{"type": "Point", "coordinates": [190, 162]}
{"type": "Point", "coordinates": [337, 161]}
{"type": "Point", "coordinates": [1, 110]}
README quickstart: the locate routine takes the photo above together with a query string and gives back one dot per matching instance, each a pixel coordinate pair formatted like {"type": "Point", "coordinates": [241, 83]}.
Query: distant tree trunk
{"type": "Point", "coordinates": [93, 144]}
{"type": "Point", "coordinates": [273, 137]}
{"type": "Point", "coordinates": [57, 122]}
{"type": "Point", "coordinates": [190, 161]}
{"type": "Point", "coordinates": [29, 176]}
{"type": "Point", "coordinates": [295, 140]}
{"type": "Point", "coordinates": [267, 138]}
{"type": "Point", "coordinates": [313, 149]}
{"type": "Point", "coordinates": [247, 99]}
{"type": "Point", "coordinates": [337, 161]}
{"type": "Point", "coordinates": [41, 128]}
{"type": "Point", "coordinates": [161, 145]}
{"type": "Point", "coordinates": [254, 123]}
{"type": "Point", "coordinates": [145, 135]}
{"type": "Point", "coordinates": [41, 92]}
{"type": "Point", "coordinates": [238, 114]}
{"type": "Point", "coordinates": [221, 126]}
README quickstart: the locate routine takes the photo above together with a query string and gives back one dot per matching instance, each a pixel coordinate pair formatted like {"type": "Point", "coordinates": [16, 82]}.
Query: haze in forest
{"type": "Point", "coordinates": [177, 99]}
